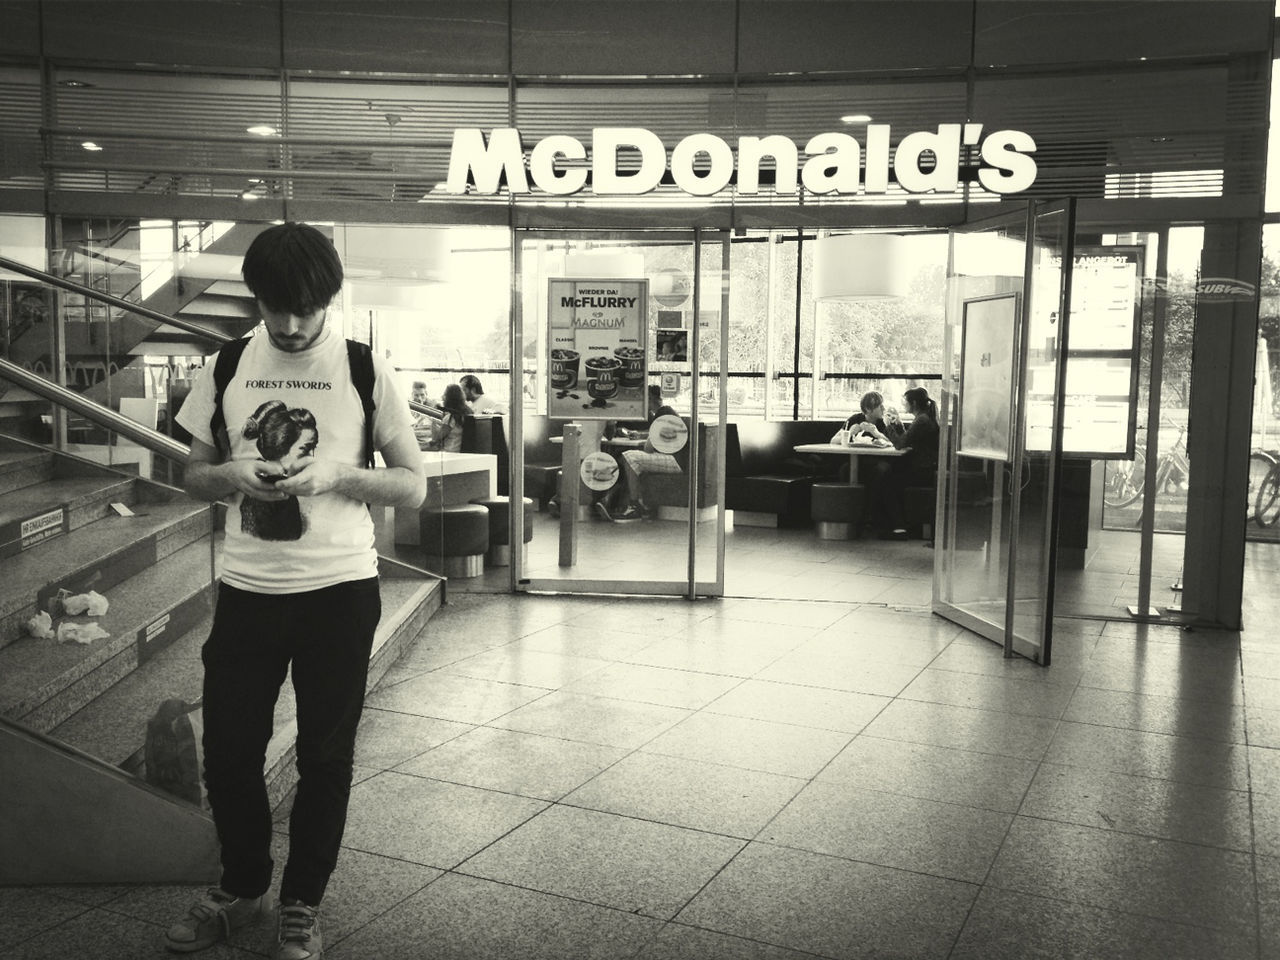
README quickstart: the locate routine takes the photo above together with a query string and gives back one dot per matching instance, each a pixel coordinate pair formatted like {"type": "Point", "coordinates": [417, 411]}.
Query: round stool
{"type": "Point", "coordinates": [455, 538]}
{"type": "Point", "coordinates": [499, 527]}
{"type": "Point", "coordinates": [836, 509]}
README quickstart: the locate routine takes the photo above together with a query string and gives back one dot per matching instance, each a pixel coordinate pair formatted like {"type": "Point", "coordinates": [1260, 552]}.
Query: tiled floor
{"type": "Point", "coordinates": [548, 777]}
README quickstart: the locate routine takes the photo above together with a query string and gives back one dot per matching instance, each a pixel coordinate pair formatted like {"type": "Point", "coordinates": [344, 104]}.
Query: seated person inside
{"type": "Point", "coordinates": [421, 421]}
{"type": "Point", "coordinates": [446, 433]}
{"type": "Point", "coordinates": [919, 468]}
{"type": "Point", "coordinates": [638, 462]}
{"type": "Point", "coordinates": [479, 402]}
{"type": "Point", "coordinates": [875, 420]}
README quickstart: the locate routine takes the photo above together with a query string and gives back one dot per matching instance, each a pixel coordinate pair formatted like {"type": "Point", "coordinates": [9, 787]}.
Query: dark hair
{"type": "Point", "coordinates": [470, 381]}
{"type": "Point", "coordinates": [454, 403]}
{"type": "Point", "coordinates": [277, 428]}
{"type": "Point", "coordinates": [292, 267]}
{"type": "Point", "coordinates": [918, 399]}
{"type": "Point", "coordinates": [871, 400]}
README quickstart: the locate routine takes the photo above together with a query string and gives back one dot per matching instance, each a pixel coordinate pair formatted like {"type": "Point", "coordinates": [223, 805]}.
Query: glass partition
{"type": "Point", "coordinates": [622, 426]}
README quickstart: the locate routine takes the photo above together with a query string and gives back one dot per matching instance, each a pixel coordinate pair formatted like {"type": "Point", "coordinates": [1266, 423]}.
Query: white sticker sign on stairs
{"type": "Point", "coordinates": [37, 529]}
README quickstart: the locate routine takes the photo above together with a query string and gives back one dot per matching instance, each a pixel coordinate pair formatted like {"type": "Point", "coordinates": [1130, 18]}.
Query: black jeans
{"type": "Point", "coordinates": [327, 636]}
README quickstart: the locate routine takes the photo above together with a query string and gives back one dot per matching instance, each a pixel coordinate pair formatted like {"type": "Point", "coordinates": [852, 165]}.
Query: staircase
{"type": "Point", "coordinates": [73, 715]}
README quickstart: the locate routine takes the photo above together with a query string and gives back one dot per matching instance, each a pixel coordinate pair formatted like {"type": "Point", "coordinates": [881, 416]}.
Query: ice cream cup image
{"type": "Point", "coordinates": [564, 368]}
{"type": "Point", "coordinates": [632, 360]}
{"type": "Point", "coordinates": [603, 376]}
{"type": "Point", "coordinates": [668, 433]}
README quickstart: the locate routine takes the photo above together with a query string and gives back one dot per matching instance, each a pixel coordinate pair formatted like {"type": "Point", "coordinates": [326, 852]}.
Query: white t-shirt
{"type": "Point", "coordinates": [287, 407]}
{"type": "Point", "coordinates": [482, 405]}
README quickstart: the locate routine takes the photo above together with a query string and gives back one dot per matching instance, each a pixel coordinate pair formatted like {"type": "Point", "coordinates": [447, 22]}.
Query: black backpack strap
{"type": "Point", "coordinates": [224, 368]}
{"type": "Point", "coordinates": [360, 360]}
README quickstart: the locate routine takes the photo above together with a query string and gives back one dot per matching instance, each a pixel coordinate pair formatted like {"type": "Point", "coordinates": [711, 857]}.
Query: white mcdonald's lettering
{"type": "Point", "coordinates": [703, 164]}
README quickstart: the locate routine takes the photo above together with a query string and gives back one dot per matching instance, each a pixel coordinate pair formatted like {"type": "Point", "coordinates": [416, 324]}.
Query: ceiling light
{"type": "Point", "coordinates": [248, 195]}
{"type": "Point", "coordinates": [91, 146]}
{"type": "Point", "coordinates": [855, 118]}
{"type": "Point", "coordinates": [74, 83]}
{"type": "Point", "coordinates": [261, 130]}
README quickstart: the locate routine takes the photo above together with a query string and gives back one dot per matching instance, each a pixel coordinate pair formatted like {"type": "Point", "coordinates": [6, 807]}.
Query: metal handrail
{"type": "Point", "coordinates": [153, 440]}
{"type": "Point", "coordinates": [217, 336]}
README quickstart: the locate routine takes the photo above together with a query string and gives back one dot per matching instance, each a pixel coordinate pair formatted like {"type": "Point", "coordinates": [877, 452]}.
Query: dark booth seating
{"type": "Point", "coordinates": [486, 434]}
{"type": "Point", "coordinates": [764, 474]}
{"type": "Point", "coordinates": [672, 489]}
{"type": "Point", "coordinates": [541, 458]}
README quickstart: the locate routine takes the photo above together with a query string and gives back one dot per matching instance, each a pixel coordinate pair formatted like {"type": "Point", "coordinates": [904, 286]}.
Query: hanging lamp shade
{"type": "Point", "coordinates": [860, 266]}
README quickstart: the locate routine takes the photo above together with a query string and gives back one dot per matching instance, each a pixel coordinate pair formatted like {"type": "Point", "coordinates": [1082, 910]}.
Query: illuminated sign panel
{"type": "Point", "coordinates": [830, 163]}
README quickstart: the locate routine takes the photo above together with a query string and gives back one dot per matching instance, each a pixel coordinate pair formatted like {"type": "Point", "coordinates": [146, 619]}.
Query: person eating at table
{"type": "Point", "coordinates": [919, 468]}
{"type": "Point", "coordinates": [873, 420]}
{"type": "Point", "coordinates": [636, 462]}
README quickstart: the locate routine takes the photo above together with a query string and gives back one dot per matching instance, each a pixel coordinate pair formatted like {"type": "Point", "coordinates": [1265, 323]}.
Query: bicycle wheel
{"type": "Point", "coordinates": [1124, 480]}
{"type": "Point", "coordinates": [1261, 463]}
{"type": "Point", "coordinates": [1266, 508]}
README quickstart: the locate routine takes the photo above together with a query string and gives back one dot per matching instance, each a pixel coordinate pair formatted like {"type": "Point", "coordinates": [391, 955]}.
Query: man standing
{"type": "Point", "coordinates": [476, 398]}
{"type": "Point", "coordinates": [305, 600]}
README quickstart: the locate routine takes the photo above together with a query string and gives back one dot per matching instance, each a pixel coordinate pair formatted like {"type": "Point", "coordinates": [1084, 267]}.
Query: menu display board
{"type": "Point", "coordinates": [596, 349]}
{"type": "Point", "coordinates": [1100, 407]}
{"type": "Point", "coordinates": [986, 376]}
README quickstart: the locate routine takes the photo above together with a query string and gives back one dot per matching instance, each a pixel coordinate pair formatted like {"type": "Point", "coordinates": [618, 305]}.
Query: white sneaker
{"type": "Point", "coordinates": [213, 919]}
{"type": "Point", "coordinates": [297, 932]}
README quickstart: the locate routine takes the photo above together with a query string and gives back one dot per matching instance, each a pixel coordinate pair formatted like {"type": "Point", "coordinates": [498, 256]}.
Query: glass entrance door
{"type": "Point", "coordinates": [623, 410]}
{"type": "Point", "coordinates": [1001, 439]}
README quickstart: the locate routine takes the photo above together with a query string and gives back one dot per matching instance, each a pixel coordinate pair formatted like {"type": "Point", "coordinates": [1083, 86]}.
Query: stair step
{"type": "Point", "coordinates": [43, 682]}
{"type": "Point", "coordinates": [80, 499]}
{"type": "Point", "coordinates": [95, 556]}
{"type": "Point", "coordinates": [23, 467]}
{"type": "Point", "coordinates": [113, 726]}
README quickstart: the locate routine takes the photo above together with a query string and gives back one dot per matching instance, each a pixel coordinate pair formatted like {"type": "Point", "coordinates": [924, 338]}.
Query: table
{"type": "Point", "coordinates": [451, 478]}
{"type": "Point", "coordinates": [852, 452]}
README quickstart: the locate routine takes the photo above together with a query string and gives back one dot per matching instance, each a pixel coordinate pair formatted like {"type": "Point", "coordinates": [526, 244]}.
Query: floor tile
{"type": "Point", "coordinates": [25, 913]}
{"type": "Point", "coordinates": [840, 671]}
{"type": "Point", "coordinates": [600, 720]}
{"type": "Point", "coordinates": [720, 647]}
{"type": "Point", "coordinates": [1263, 726]}
{"type": "Point", "coordinates": [892, 648]}
{"type": "Point", "coordinates": [464, 918]}
{"type": "Point", "coordinates": [1264, 769]}
{"type": "Point", "coordinates": [1005, 925]}
{"type": "Point", "coordinates": [109, 936]}
{"type": "Point", "coordinates": [448, 697]}
{"type": "Point", "coordinates": [583, 640]}
{"type": "Point", "coordinates": [1182, 882]}
{"type": "Point", "coordinates": [799, 705]}
{"type": "Point", "coordinates": [983, 731]}
{"type": "Point", "coordinates": [1155, 755]}
{"type": "Point", "coordinates": [790, 613]}
{"type": "Point", "coordinates": [641, 867]}
{"type": "Point", "coordinates": [1002, 694]}
{"type": "Point", "coordinates": [680, 942]}
{"type": "Point", "coordinates": [520, 665]}
{"type": "Point", "coordinates": [832, 907]}
{"type": "Point", "coordinates": [1268, 871]}
{"type": "Point", "coordinates": [512, 762]}
{"type": "Point", "coordinates": [941, 839]}
{"type": "Point", "coordinates": [1266, 824]}
{"type": "Point", "coordinates": [1158, 808]}
{"type": "Point", "coordinates": [751, 744]}
{"type": "Point", "coordinates": [455, 821]}
{"type": "Point", "coordinates": [387, 737]}
{"type": "Point", "coordinates": [932, 773]}
{"type": "Point", "coordinates": [1157, 714]}
{"type": "Point", "coordinates": [660, 685]}
{"type": "Point", "coordinates": [688, 793]}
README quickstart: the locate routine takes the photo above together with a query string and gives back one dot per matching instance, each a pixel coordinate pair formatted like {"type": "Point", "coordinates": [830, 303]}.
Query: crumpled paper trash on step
{"type": "Point", "coordinates": [80, 632]}
{"type": "Point", "coordinates": [41, 626]}
{"type": "Point", "coordinates": [92, 603]}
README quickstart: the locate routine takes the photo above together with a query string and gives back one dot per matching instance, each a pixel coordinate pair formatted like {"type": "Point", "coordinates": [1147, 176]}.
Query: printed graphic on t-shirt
{"type": "Point", "coordinates": [289, 437]}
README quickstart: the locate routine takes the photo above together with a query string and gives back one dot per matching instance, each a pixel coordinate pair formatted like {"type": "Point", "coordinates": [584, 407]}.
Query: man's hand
{"type": "Point", "coordinates": [249, 477]}
{"type": "Point", "coordinates": [314, 478]}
